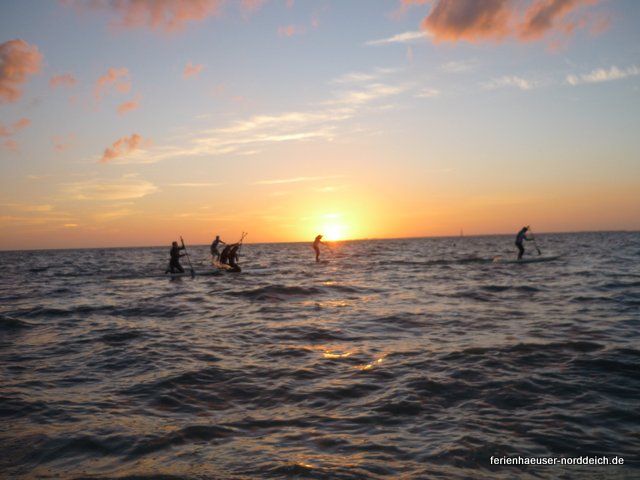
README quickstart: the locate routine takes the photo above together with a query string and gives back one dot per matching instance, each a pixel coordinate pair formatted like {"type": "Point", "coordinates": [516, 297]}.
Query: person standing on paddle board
{"type": "Point", "coordinates": [174, 262]}
{"type": "Point", "coordinates": [520, 238]}
{"type": "Point", "coordinates": [316, 247]}
{"type": "Point", "coordinates": [214, 248]}
{"type": "Point", "coordinates": [233, 257]}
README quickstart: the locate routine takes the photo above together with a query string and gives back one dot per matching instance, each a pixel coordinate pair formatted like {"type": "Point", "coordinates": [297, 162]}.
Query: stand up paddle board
{"type": "Point", "coordinates": [548, 258]}
{"type": "Point", "coordinates": [187, 273]}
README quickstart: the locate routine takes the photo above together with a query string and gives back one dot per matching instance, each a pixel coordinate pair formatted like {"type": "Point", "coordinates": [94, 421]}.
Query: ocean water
{"type": "Point", "coordinates": [395, 359]}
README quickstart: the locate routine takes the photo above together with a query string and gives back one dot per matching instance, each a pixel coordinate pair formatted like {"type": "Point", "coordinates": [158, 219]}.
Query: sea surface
{"type": "Point", "coordinates": [394, 359]}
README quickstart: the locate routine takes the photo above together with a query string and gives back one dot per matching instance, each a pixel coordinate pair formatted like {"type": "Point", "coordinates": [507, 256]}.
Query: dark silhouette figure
{"type": "Point", "coordinates": [214, 247]}
{"type": "Point", "coordinates": [229, 256]}
{"type": "Point", "coordinates": [174, 262]}
{"type": "Point", "coordinates": [520, 238]}
{"type": "Point", "coordinates": [316, 247]}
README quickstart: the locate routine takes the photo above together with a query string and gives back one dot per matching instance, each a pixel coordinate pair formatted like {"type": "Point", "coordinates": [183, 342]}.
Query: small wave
{"type": "Point", "coordinates": [8, 323]}
{"type": "Point", "coordinates": [277, 292]}
{"type": "Point", "coordinates": [120, 336]}
{"type": "Point", "coordinates": [506, 288]}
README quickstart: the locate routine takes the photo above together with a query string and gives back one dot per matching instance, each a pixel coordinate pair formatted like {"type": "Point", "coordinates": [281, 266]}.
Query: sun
{"type": "Point", "coordinates": [333, 232]}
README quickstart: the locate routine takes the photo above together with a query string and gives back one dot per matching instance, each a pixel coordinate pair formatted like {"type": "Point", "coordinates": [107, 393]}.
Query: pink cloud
{"type": "Point", "coordinates": [544, 16]}
{"type": "Point", "coordinates": [192, 70]}
{"type": "Point", "coordinates": [129, 106]}
{"type": "Point", "coordinates": [290, 31]}
{"type": "Point", "coordinates": [11, 145]}
{"type": "Point", "coordinates": [22, 123]}
{"type": "Point", "coordinates": [60, 144]}
{"type": "Point", "coordinates": [251, 5]}
{"type": "Point", "coordinates": [158, 15]}
{"type": "Point", "coordinates": [495, 20]}
{"type": "Point", "coordinates": [8, 132]}
{"type": "Point", "coordinates": [113, 78]}
{"type": "Point", "coordinates": [64, 80]}
{"type": "Point", "coordinates": [453, 20]}
{"type": "Point", "coordinates": [18, 60]}
{"type": "Point", "coordinates": [123, 147]}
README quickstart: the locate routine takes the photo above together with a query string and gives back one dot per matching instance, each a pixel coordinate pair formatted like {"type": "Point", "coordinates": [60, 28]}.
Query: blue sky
{"type": "Point", "coordinates": [284, 118]}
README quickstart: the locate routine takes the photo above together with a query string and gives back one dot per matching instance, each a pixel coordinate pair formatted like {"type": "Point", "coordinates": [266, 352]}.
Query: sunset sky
{"type": "Point", "coordinates": [130, 123]}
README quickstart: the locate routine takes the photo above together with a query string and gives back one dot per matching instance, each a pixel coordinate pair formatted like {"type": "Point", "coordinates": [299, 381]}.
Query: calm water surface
{"type": "Point", "coordinates": [397, 359]}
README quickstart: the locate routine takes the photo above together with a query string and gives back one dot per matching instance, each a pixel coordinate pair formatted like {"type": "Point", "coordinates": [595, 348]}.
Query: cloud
{"type": "Point", "coordinates": [166, 16]}
{"type": "Point", "coordinates": [18, 60]}
{"type": "Point", "coordinates": [290, 31]}
{"type": "Point", "coordinates": [496, 20]}
{"type": "Point", "coordinates": [118, 78]}
{"type": "Point", "coordinates": [22, 123]}
{"type": "Point", "coordinates": [406, 37]}
{"type": "Point", "coordinates": [368, 94]}
{"type": "Point", "coordinates": [251, 5]}
{"type": "Point", "coordinates": [195, 185]}
{"type": "Point", "coordinates": [602, 75]}
{"type": "Point", "coordinates": [192, 70]}
{"type": "Point", "coordinates": [511, 81]}
{"type": "Point", "coordinates": [63, 80]}
{"type": "Point", "coordinates": [429, 93]}
{"type": "Point", "coordinates": [103, 190]}
{"type": "Point", "coordinates": [459, 67]}
{"type": "Point", "coordinates": [123, 147]}
{"type": "Point", "coordinates": [8, 132]}
{"type": "Point", "coordinates": [453, 20]}
{"type": "Point", "coordinates": [295, 180]}
{"type": "Point", "coordinates": [320, 122]}
{"type": "Point", "coordinates": [61, 144]}
{"type": "Point", "coordinates": [11, 145]}
{"type": "Point", "coordinates": [129, 106]}
{"type": "Point", "coordinates": [544, 15]}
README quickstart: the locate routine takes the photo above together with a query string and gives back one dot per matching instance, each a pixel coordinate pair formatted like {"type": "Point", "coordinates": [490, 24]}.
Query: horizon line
{"type": "Point", "coordinates": [327, 241]}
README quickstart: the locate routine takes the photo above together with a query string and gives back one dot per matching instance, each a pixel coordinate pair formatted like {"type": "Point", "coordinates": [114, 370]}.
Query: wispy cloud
{"type": "Point", "coordinates": [406, 37]}
{"type": "Point", "coordinates": [63, 80]}
{"type": "Point", "coordinates": [602, 75]}
{"type": "Point", "coordinates": [511, 81]}
{"type": "Point", "coordinates": [429, 93]}
{"type": "Point", "coordinates": [367, 94]}
{"type": "Point", "coordinates": [194, 185]}
{"type": "Point", "coordinates": [18, 61]}
{"type": "Point", "coordinates": [8, 132]}
{"type": "Point", "coordinates": [459, 66]}
{"type": "Point", "coordinates": [129, 106]}
{"type": "Point", "coordinates": [123, 147]}
{"type": "Point", "coordinates": [109, 190]}
{"type": "Point", "coordinates": [115, 78]}
{"type": "Point", "coordinates": [290, 30]}
{"type": "Point", "coordinates": [280, 181]}
{"type": "Point", "coordinates": [167, 16]}
{"type": "Point", "coordinates": [192, 70]}
{"type": "Point", "coordinates": [62, 144]}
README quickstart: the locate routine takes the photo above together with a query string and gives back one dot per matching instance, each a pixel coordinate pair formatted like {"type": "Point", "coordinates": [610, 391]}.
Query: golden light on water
{"type": "Point", "coordinates": [371, 365]}
{"type": "Point", "coordinates": [329, 354]}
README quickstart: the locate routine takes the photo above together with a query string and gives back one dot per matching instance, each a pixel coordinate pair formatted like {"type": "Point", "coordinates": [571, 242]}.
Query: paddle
{"type": "Point", "coordinates": [534, 241]}
{"type": "Point", "coordinates": [193, 273]}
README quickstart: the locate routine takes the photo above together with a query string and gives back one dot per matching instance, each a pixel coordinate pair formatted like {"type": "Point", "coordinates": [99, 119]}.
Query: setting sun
{"type": "Point", "coordinates": [333, 232]}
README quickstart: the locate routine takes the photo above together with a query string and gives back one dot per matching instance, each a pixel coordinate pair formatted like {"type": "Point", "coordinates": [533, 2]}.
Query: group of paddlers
{"type": "Point", "coordinates": [227, 259]}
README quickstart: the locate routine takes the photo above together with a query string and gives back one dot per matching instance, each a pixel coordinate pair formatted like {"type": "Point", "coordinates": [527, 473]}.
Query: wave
{"type": "Point", "coordinates": [8, 324]}
{"type": "Point", "coordinates": [277, 292]}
